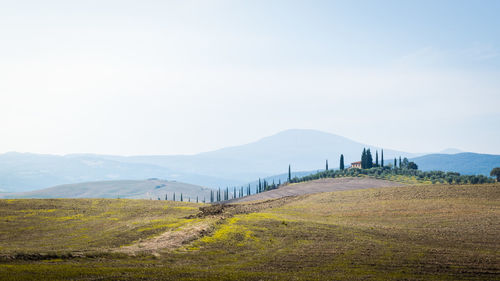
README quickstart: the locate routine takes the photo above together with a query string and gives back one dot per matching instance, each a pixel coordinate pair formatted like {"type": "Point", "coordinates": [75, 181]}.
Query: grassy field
{"type": "Point", "coordinates": [65, 226]}
{"type": "Point", "coordinates": [436, 232]}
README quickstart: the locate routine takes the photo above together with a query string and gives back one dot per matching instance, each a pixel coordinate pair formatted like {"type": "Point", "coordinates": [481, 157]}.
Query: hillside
{"type": "Point", "coordinates": [434, 232]}
{"type": "Point", "coordinates": [465, 163]}
{"type": "Point", "coordinates": [134, 189]}
{"type": "Point", "coordinates": [78, 226]}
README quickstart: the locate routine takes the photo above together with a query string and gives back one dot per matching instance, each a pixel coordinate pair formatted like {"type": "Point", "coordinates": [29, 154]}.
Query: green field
{"type": "Point", "coordinates": [437, 232]}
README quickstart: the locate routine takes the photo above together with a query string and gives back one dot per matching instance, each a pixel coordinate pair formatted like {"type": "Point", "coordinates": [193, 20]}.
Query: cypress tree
{"type": "Point", "coordinates": [382, 159]}
{"type": "Point", "coordinates": [289, 173]}
{"type": "Point", "coordinates": [369, 159]}
{"type": "Point", "coordinates": [196, 198]}
{"type": "Point", "coordinates": [182, 200]}
{"type": "Point", "coordinates": [174, 196]}
{"type": "Point", "coordinates": [395, 163]}
{"type": "Point", "coordinates": [341, 162]}
{"type": "Point", "coordinates": [400, 162]}
{"type": "Point", "coordinates": [166, 196]}
{"type": "Point", "coordinates": [327, 164]}
{"type": "Point", "coordinates": [363, 159]}
{"type": "Point", "coordinates": [376, 158]}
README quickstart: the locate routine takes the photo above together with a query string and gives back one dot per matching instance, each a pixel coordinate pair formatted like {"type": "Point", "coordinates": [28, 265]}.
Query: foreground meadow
{"type": "Point", "coordinates": [436, 232]}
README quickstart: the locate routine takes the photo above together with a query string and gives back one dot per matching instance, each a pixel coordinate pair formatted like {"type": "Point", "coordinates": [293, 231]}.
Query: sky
{"type": "Point", "coordinates": [183, 77]}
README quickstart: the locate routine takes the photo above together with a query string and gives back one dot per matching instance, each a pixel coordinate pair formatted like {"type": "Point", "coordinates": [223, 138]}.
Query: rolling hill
{"type": "Point", "coordinates": [132, 189]}
{"type": "Point", "coordinates": [465, 163]}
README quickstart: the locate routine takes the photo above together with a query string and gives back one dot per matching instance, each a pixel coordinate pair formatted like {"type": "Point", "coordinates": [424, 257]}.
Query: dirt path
{"type": "Point", "coordinates": [170, 240]}
{"type": "Point", "coordinates": [317, 186]}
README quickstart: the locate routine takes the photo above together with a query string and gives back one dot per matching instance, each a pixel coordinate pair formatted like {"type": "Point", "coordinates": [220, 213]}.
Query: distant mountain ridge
{"type": "Point", "coordinates": [304, 150]}
{"type": "Point", "coordinates": [466, 163]}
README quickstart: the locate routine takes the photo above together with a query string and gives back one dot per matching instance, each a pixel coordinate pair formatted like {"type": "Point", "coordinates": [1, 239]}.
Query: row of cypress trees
{"type": "Point", "coordinates": [367, 159]}
{"type": "Point", "coordinates": [182, 198]}
{"type": "Point", "coordinates": [224, 195]}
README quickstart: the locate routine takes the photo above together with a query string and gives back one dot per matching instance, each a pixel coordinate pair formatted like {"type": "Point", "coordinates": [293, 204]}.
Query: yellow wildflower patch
{"type": "Point", "coordinates": [229, 230]}
{"type": "Point", "coordinates": [73, 217]}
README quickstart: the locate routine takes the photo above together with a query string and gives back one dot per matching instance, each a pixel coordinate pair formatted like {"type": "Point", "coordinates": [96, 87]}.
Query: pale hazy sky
{"type": "Point", "coordinates": [173, 77]}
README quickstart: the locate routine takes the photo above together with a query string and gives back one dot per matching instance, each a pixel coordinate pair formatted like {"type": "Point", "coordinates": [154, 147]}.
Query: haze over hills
{"type": "Point", "coordinates": [26, 171]}
{"type": "Point", "coordinates": [305, 150]}
{"type": "Point", "coordinates": [132, 189]}
{"type": "Point", "coordinates": [451, 151]}
{"type": "Point", "coordinates": [465, 163]}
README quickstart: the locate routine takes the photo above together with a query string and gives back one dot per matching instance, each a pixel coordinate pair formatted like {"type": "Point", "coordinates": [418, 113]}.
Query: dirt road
{"type": "Point", "coordinates": [317, 186]}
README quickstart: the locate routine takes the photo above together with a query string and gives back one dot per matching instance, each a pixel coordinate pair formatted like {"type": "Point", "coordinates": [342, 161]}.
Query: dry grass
{"type": "Point", "coordinates": [436, 232]}
{"type": "Point", "coordinates": [84, 225]}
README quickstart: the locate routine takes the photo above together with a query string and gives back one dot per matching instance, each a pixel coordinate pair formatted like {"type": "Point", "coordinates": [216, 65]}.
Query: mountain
{"type": "Point", "coordinates": [137, 189]}
{"type": "Point", "coordinates": [467, 163]}
{"type": "Point", "coordinates": [304, 150]}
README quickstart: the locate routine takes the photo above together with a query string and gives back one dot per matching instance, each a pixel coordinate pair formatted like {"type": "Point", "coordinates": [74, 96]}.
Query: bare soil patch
{"type": "Point", "coordinates": [317, 186]}
{"type": "Point", "coordinates": [169, 240]}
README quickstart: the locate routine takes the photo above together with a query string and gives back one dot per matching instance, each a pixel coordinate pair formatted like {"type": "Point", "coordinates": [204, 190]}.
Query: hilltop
{"type": "Point", "coordinates": [317, 186]}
